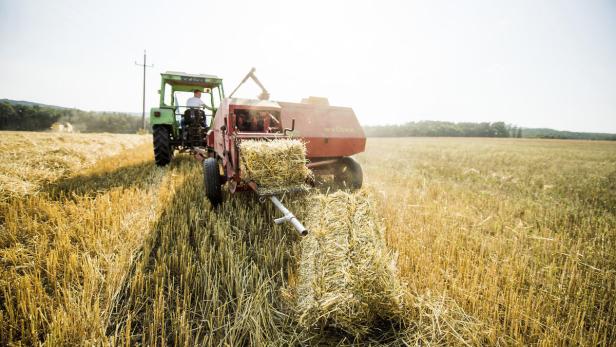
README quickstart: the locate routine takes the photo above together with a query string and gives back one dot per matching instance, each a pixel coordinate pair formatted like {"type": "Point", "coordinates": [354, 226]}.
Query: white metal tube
{"type": "Point", "coordinates": [288, 217]}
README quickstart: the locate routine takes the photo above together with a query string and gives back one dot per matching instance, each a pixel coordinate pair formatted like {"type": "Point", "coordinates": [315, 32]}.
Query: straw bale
{"type": "Point", "coordinates": [275, 165]}
{"type": "Point", "coordinates": [346, 277]}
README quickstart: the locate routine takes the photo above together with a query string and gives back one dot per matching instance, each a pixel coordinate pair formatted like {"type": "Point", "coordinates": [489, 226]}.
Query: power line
{"type": "Point", "coordinates": [144, 67]}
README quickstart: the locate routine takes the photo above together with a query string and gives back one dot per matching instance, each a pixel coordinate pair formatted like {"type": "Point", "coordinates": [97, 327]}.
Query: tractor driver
{"type": "Point", "coordinates": [196, 102]}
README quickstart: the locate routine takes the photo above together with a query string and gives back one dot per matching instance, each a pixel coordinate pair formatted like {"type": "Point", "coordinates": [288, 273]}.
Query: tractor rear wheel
{"type": "Point", "coordinates": [211, 181]}
{"type": "Point", "coordinates": [348, 174]}
{"type": "Point", "coordinates": [162, 145]}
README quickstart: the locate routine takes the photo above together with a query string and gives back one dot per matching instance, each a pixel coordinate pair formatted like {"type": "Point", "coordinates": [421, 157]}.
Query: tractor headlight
{"type": "Point", "coordinates": [156, 113]}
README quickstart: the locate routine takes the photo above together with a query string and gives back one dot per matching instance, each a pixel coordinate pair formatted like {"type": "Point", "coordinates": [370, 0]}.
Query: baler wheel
{"type": "Point", "coordinates": [162, 145]}
{"type": "Point", "coordinates": [211, 181]}
{"type": "Point", "coordinates": [348, 174]}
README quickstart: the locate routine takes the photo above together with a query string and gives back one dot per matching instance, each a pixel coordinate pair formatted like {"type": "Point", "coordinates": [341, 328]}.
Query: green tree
{"type": "Point", "coordinates": [500, 129]}
{"type": "Point", "coordinates": [7, 115]}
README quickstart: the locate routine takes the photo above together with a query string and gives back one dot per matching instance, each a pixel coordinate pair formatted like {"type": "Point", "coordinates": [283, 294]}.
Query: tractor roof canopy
{"type": "Point", "coordinates": [185, 82]}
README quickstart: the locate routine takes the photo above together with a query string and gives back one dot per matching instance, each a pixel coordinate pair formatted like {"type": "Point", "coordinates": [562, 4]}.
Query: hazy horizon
{"type": "Point", "coordinates": [537, 65]}
{"type": "Point", "coordinates": [138, 114]}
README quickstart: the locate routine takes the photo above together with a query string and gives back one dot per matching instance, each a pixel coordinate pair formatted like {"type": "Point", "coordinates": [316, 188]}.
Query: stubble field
{"type": "Point", "coordinates": [498, 242]}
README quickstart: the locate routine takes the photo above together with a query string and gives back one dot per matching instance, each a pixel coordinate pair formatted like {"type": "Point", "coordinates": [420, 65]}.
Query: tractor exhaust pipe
{"type": "Point", "coordinates": [288, 217]}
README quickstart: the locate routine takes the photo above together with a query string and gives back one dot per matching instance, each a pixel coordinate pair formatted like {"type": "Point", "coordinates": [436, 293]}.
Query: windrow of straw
{"type": "Point", "coordinates": [276, 165]}
{"type": "Point", "coordinates": [346, 278]}
{"type": "Point", "coordinates": [29, 160]}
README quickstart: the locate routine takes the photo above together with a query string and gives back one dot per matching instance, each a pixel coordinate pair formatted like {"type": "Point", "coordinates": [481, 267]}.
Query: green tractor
{"type": "Point", "coordinates": [180, 127]}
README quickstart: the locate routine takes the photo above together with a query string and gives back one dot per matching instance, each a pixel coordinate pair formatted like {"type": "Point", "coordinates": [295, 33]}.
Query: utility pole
{"type": "Point", "coordinates": [144, 67]}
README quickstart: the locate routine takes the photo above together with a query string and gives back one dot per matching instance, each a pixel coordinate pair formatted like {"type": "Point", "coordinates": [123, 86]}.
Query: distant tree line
{"type": "Point", "coordinates": [449, 129]}
{"type": "Point", "coordinates": [22, 117]}
{"type": "Point", "coordinates": [496, 129]}
{"type": "Point", "coordinates": [38, 118]}
{"type": "Point", "coordinates": [545, 133]}
{"type": "Point", "coordinates": [99, 122]}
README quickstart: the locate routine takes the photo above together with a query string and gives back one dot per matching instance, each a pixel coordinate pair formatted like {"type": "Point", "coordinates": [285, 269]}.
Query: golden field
{"type": "Point", "coordinates": [29, 160]}
{"type": "Point", "coordinates": [520, 233]}
{"type": "Point", "coordinates": [498, 241]}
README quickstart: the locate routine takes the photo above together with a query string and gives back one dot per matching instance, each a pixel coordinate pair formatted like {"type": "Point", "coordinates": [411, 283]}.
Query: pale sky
{"type": "Point", "coordinates": [530, 63]}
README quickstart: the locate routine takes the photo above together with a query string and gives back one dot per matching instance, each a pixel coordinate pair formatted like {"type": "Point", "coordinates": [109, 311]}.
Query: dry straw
{"type": "Point", "coordinates": [346, 277]}
{"type": "Point", "coordinates": [276, 165]}
{"type": "Point", "coordinates": [30, 160]}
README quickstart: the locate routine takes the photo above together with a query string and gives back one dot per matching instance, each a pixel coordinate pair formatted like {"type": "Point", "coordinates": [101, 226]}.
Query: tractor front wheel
{"type": "Point", "coordinates": [348, 174]}
{"type": "Point", "coordinates": [162, 145]}
{"type": "Point", "coordinates": [211, 181]}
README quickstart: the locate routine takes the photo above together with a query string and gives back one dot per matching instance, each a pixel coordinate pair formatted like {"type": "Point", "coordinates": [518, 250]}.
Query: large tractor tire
{"type": "Point", "coordinates": [348, 174]}
{"type": "Point", "coordinates": [162, 145]}
{"type": "Point", "coordinates": [212, 182]}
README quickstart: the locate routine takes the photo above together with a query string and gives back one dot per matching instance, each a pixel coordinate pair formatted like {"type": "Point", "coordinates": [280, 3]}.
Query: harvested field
{"type": "Point", "coordinates": [497, 242]}
{"type": "Point", "coordinates": [520, 233]}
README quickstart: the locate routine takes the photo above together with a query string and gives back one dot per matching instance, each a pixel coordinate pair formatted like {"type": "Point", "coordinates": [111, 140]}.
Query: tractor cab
{"type": "Point", "coordinates": [176, 125]}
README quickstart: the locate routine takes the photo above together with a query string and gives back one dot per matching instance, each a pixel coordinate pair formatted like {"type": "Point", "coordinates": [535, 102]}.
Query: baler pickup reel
{"type": "Point", "coordinates": [287, 216]}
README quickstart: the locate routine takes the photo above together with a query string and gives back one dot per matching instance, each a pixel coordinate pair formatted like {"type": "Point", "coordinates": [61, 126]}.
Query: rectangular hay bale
{"type": "Point", "coordinates": [274, 165]}
{"type": "Point", "coordinates": [346, 276]}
